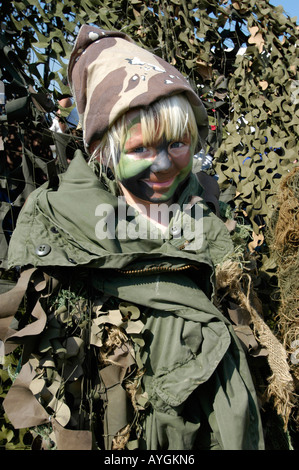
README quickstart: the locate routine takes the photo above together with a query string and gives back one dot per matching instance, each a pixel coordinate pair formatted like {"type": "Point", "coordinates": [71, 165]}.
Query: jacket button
{"type": "Point", "coordinates": [42, 250]}
{"type": "Point", "coordinates": [175, 231]}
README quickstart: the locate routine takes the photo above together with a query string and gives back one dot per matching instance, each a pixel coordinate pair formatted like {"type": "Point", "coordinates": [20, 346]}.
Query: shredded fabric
{"type": "Point", "coordinates": [237, 283]}
{"type": "Point", "coordinates": [284, 242]}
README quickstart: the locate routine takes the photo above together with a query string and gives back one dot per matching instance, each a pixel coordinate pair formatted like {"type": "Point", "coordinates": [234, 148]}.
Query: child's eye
{"type": "Point", "coordinates": [139, 150]}
{"type": "Point", "coordinates": [175, 145]}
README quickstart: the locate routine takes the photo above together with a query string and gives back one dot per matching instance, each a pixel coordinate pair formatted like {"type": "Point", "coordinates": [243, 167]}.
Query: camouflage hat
{"type": "Point", "coordinates": [109, 75]}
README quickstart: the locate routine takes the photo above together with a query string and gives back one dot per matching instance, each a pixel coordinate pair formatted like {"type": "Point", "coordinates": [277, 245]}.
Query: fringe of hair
{"type": "Point", "coordinates": [172, 117]}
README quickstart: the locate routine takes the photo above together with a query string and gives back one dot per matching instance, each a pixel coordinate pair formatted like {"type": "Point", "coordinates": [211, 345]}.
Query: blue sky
{"type": "Point", "coordinates": [291, 7]}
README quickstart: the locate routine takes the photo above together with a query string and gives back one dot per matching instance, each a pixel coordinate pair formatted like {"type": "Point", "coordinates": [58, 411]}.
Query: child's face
{"type": "Point", "coordinates": [153, 173]}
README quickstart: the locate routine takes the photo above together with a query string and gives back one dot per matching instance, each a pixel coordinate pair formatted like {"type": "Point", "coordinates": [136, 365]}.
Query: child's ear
{"type": "Point", "coordinates": [95, 152]}
{"type": "Point", "coordinates": [98, 154]}
{"type": "Point", "coordinates": [93, 146]}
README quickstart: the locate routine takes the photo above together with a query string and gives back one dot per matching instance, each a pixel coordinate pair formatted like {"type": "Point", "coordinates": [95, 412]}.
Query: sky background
{"type": "Point", "coordinates": [291, 7]}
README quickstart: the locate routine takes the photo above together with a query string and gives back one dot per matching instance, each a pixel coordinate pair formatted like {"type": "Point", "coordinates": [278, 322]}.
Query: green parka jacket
{"type": "Point", "coordinates": [195, 379]}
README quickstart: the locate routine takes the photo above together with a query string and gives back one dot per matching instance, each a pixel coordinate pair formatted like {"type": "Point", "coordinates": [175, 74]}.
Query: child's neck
{"type": "Point", "coordinates": [147, 209]}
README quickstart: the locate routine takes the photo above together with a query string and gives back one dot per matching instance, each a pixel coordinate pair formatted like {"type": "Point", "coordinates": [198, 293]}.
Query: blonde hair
{"type": "Point", "coordinates": [171, 117]}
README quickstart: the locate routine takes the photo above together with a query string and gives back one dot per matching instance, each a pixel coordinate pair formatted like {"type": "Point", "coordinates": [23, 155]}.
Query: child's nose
{"type": "Point", "coordinates": [162, 161]}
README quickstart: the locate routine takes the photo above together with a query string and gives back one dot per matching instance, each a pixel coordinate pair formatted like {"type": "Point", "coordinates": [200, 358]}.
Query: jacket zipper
{"type": "Point", "coordinates": [156, 269]}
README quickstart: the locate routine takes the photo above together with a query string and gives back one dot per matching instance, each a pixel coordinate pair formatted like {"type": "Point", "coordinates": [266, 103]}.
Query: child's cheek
{"type": "Point", "coordinates": [128, 167]}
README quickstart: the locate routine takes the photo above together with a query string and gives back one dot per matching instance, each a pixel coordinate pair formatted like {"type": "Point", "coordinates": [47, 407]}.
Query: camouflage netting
{"type": "Point", "coordinates": [242, 57]}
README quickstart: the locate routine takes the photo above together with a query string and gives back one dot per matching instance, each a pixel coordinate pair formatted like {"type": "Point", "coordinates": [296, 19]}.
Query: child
{"type": "Point", "coordinates": [127, 349]}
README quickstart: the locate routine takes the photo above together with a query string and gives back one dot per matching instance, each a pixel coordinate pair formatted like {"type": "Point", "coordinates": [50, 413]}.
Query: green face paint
{"type": "Point", "coordinates": [129, 167]}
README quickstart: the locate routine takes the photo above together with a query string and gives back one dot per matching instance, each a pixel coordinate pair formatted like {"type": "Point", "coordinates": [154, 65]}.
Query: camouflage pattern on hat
{"type": "Point", "coordinates": [109, 75]}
